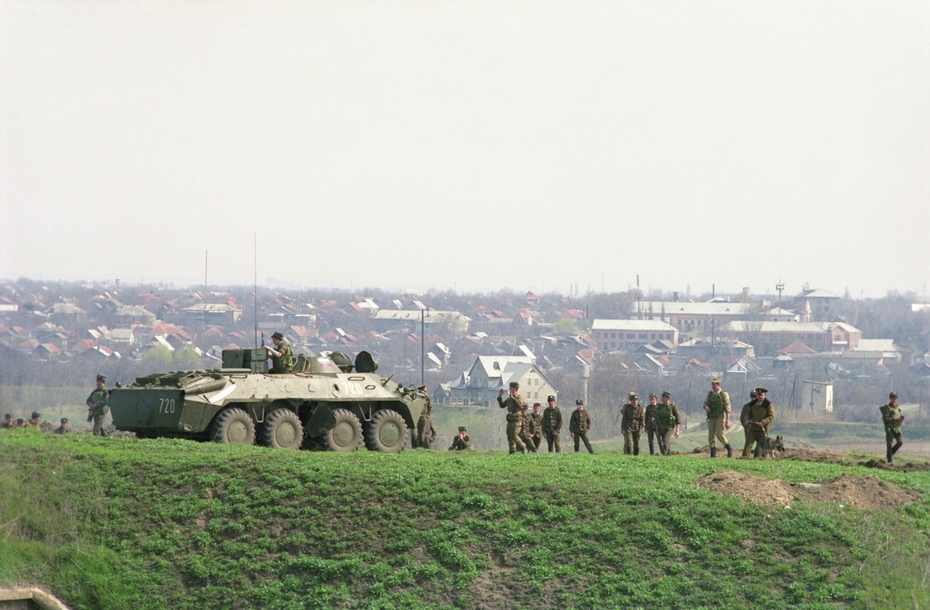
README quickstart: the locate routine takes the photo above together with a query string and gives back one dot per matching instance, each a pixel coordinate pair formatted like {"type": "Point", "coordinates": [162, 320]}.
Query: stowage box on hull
{"type": "Point", "coordinates": [256, 359]}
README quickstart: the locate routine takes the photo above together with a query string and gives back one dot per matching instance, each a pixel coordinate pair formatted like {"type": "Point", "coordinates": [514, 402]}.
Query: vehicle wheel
{"type": "Point", "coordinates": [282, 430]}
{"type": "Point", "coordinates": [387, 432]}
{"type": "Point", "coordinates": [346, 435]}
{"type": "Point", "coordinates": [233, 426]}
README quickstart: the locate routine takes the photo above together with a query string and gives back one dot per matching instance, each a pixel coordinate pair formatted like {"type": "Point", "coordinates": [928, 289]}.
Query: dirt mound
{"type": "Point", "coordinates": [830, 457]}
{"type": "Point", "coordinates": [860, 491]}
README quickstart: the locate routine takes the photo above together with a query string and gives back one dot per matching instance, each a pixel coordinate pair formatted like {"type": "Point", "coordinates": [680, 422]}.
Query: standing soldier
{"type": "Point", "coordinates": [461, 442]}
{"type": "Point", "coordinates": [98, 405]}
{"type": "Point", "coordinates": [552, 425]}
{"type": "Point", "coordinates": [892, 418]}
{"type": "Point", "coordinates": [513, 404]}
{"type": "Point", "coordinates": [744, 416]}
{"type": "Point", "coordinates": [651, 428]}
{"type": "Point", "coordinates": [523, 430]}
{"type": "Point", "coordinates": [535, 427]}
{"type": "Point", "coordinates": [760, 416]}
{"type": "Point", "coordinates": [63, 428]}
{"type": "Point", "coordinates": [282, 357]}
{"type": "Point", "coordinates": [34, 422]}
{"type": "Point", "coordinates": [8, 422]}
{"type": "Point", "coordinates": [578, 426]}
{"type": "Point", "coordinates": [668, 422]}
{"type": "Point", "coordinates": [717, 407]}
{"type": "Point", "coordinates": [426, 431]}
{"type": "Point", "coordinates": [632, 422]}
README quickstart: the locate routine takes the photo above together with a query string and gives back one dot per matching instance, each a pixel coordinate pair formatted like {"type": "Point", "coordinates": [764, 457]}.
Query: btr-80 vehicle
{"type": "Point", "coordinates": [323, 403]}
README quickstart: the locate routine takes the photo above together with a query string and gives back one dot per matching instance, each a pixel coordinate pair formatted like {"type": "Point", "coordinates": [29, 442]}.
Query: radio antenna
{"type": "Point", "coordinates": [255, 290]}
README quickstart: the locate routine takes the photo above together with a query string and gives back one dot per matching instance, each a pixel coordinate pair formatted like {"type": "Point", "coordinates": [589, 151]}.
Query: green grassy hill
{"type": "Point", "coordinates": [118, 523]}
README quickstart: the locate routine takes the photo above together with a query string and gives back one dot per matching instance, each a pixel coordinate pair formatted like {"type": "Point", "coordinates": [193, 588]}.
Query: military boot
{"type": "Point", "coordinates": [652, 449]}
{"type": "Point", "coordinates": [889, 456]}
{"type": "Point", "coordinates": [729, 450]}
{"type": "Point", "coordinates": [635, 450]}
{"type": "Point", "coordinates": [626, 450]}
{"type": "Point", "coordinates": [713, 452]}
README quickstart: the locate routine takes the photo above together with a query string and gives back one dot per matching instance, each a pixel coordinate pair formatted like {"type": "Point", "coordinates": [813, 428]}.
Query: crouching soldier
{"type": "Point", "coordinates": [462, 441]}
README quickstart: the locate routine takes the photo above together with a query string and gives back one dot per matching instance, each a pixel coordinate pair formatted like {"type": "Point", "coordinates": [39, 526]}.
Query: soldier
{"type": "Point", "coordinates": [461, 442]}
{"type": "Point", "coordinates": [34, 421]}
{"type": "Point", "coordinates": [282, 357]}
{"type": "Point", "coordinates": [578, 426]}
{"type": "Point", "coordinates": [8, 422]}
{"type": "Point", "coordinates": [523, 430]}
{"type": "Point", "coordinates": [892, 418]}
{"type": "Point", "coordinates": [668, 421]}
{"type": "Point", "coordinates": [426, 431]}
{"type": "Point", "coordinates": [744, 417]}
{"type": "Point", "coordinates": [21, 423]}
{"type": "Point", "coordinates": [513, 404]}
{"type": "Point", "coordinates": [651, 428]}
{"type": "Point", "coordinates": [757, 421]}
{"type": "Point", "coordinates": [534, 426]}
{"type": "Point", "coordinates": [717, 407]}
{"type": "Point", "coordinates": [552, 425]}
{"type": "Point", "coordinates": [63, 428]}
{"type": "Point", "coordinates": [98, 405]}
{"type": "Point", "coordinates": [632, 422]}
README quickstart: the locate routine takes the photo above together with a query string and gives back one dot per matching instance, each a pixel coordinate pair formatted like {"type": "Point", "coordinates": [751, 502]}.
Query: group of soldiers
{"type": "Point", "coordinates": [525, 430]}
{"type": "Point", "coordinates": [33, 423]}
{"type": "Point", "coordinates": [756, 417]}
{"type": "Point", "coordinates": [97, 409]}
{"type": "Point", "coordinates": [660, 420]}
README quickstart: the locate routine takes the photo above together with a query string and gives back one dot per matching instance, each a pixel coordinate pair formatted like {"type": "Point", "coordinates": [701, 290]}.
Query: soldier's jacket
{"type": "Point", "coordinates": [719, 403]}
{"type": "Point", "coordinates": [98, 401]}
{"type": "Point", "coordinates": [551, 420]}
{"type": "Point", "coordinates": [460, 444]}
{"type": "Point", "coordinates": [667, 416]}
{"type": "Point", "coordinates": [761, 414]}
{"type": "Point", "coordinates": [285, 361]}
{"type": "Point", "coordinates": [744, 414]}
{"type": "Point", "coordinates": [426, 433]}
{"type": "Point", "coordinates": [522, 424]}
{"type": "Point", "coordinates": [580, 422]}
{"type": "Point", "coordinates": [632, 418]}
{"type": "Point", "coordinates": [651, 410]}
{"type": "Point", "coordinates": [6, 426]}
{"type": "Point", "coordinates": [62, 430]}
{"type": "Point", "coordinates": [513, 404]}
{"type": "Point", "coordinates": [533, 425]}
{"type": "Point", "coordinates": [889, 414]}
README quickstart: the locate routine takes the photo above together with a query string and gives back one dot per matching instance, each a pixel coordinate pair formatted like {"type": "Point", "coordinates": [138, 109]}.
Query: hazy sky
{"type": "Point", "coordinates": [472, 146]}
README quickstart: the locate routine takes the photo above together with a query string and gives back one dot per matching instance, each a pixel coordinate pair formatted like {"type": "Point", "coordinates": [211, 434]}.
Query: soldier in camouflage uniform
{"type": "Point", "coordinates": [668, 422]}
{"type": "Point", "coordinates": [652, 431]}
{"type": "Point", "coordinates": [757, 422]}
{"type": "Point", "coordinates": [523, 429]}
{"type": "Point", "coordinates": [552, 425]}
{"type": "Point", "coordinates": [717, 407]}
{"type": "Point", "coordinates": [578, 425]}
{"type": "Point", "coordinates": [513, 404]}
{"type": "Point", "coordinates": [632, 422]}
{"type": "Point", "coordinates": [534, 427]}
{"type": "Point", "coordinates": [462, 441]}
{"type": "Point", "coordinates": [282, 356]}
{"type": "Point", "coordinates": [63, 428]}
{"type": "Point", "coordinates": [892, 418]}
{"type": "Point", "coordinates": [98, 405]}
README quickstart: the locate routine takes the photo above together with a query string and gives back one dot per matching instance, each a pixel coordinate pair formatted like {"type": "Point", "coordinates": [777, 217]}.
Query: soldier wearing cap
{"type": "Point", "coordinates": [744, 414]}
{"type": "Point", "coordinates": [8, 422]}
{"type": "Point", "coordinates": [652, 431]}
{"type": "Point", "coordinates": [513, 404]}
{"type": "Point", "coordinates": [98, 405]}
{"type": "Point", "coordinates": [552, 425]}
{"type": "Point", "coordinates": [63, 428]}
{"type": "Point", "coordinates": [426, 431]}
{"type": "Point", "coordinates": [632, 422]}
{"type": "Point", "coordinates": [892, 418]}
{"type": "Point", "coordinates": [759, 418]}
{"type": "Point", "coordinates": [578, 426]}
{"type": "Point", "coordinates": [461, 442]}
{"type": "Point", "coordinates": [21, 423]}
{"type": "Point", "coordinates": [523, 429]}
{"type": "Point", "coordinates": [668, 422]}
{"type": "Point", "coordinates": [282, 356]}
{"type": "Point", "coordinates": [534, 426]}
{"type": "Point", "coordinates": [34, 421]}
{"type": "Point", "coordinates": [717, 407]}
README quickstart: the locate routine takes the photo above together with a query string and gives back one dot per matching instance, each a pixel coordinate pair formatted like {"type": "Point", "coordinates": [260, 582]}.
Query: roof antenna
{"type": "Point", "coordinates": [255, 289]}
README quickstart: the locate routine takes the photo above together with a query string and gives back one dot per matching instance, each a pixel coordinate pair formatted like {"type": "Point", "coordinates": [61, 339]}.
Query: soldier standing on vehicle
{"type": "Point", "coordinates": [760, 416]}
{"type": "Point", "coordinates": [282, 357]}
{"type": "Point", "coordinates": [578, 426]}
{"type": "Point", "coordinates": [651, 428]}
{"type": "Point", "coordinates": [98, 405]}
{"type": "Point", "coordinates": [461, 442]}
{"type": "Point", "coordinates": [534, 427]}
{"type": "Point", "coordinates": [717, 407]}
{"type": "Point", "coordinates": [668, 422]}
{"type": "Point", "coordinates": [513, 404]}
{"type": "Point", "coordinates": [632, 422]}
{"type": "Point", "coordinates": [63, 428]}
{"type": "Point", "coordinates": [552, 425]}
{"type": "Point", "coordinates": [892, 418]}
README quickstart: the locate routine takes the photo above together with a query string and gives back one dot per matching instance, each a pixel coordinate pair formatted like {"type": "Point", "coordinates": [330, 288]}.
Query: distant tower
{"type": "Point", "coordinates": [806, 313]}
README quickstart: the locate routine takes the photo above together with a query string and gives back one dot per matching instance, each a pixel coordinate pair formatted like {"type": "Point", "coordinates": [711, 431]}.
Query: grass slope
{"type": "Point", "coordinates": [114, 523]}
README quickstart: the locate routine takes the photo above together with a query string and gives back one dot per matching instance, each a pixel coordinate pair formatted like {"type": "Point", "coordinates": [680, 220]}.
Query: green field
{"type": "Point", "coordinates": [120, 523]}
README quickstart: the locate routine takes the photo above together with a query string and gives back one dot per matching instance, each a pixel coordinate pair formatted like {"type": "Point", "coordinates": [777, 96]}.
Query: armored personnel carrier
{"type": "Point", "coordinates": [323, 403]}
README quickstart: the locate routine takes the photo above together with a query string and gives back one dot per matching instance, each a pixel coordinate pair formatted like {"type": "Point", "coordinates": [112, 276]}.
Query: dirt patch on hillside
{"type": "Point", "coordinates": [831, 457]}
{"type": "Point", "coordinates": [859, 491]}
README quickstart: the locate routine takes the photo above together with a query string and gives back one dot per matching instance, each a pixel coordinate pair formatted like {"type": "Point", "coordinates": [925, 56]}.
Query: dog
{"type": "Point", "coordinates": [767, 447]}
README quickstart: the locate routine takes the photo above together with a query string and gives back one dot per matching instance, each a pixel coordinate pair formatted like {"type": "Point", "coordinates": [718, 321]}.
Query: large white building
{"type": "Point", "coordinates": [613, 335]}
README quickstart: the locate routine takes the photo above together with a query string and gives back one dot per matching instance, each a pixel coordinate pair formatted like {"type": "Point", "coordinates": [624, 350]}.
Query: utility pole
{"type": "Point", "coordinates": [779, 287]}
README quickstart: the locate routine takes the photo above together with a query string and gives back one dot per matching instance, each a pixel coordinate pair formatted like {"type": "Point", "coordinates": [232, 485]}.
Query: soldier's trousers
{"type": "Point", "coordinates": [99, 428]}
{"type": "Point", "coordinates": [665, 440]}
{"type": "Point", "coordinates": [528, 442]}
{"type": "Point", "coordinates": [537, 441]}
{"type": "Point", "coordinates": [513, 439]}
{"type": "Point", "coordinates": [893, 435]}
{"type": "Point", "coordinates": [631, 441]}
{"type": "Point", "coordinates": [653, 435]}
{"type": "Point", "coordinates": [754, 434]}
{"type": "Point", "coordinates": [715, 431]}
{"type": "Point", "coordinates": [552, 439]}
{"type": "Point", "coordinates": [582, 436]}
